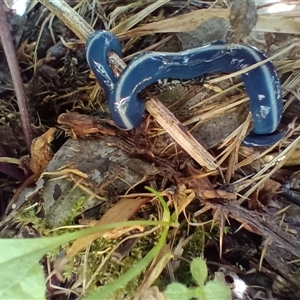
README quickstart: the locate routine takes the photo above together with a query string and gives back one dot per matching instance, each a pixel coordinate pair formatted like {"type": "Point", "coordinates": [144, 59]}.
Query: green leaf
{"type": "Point", "coordinates": [217, 290]}
{"type": "Point", "coordinates": [177, 291]}
{"type": "Point", "coordinates": [199, 271]}
{"type": "Point", "coordinates": [166, 211]}
{"type": "Point", "coordinates": [198, 293]}
{"type": "Point", "coordinates": [22, 276]}
{"type": "Point", "coordinates": [19, 265]}
{"type": "Point", "coordinates": [31, 287]}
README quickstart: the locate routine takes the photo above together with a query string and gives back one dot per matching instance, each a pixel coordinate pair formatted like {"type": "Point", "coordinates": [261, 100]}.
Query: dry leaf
{"type": "Point", "coordinates": [183, 198]}
{"type": "Point", "coordinates": [203, 187]}
{"type": "Point", "coordinates": [123, 210]}
{"type": "Point", "coordinates": [155, 269]}
{"type": "Point", "coordinates": [267, 191]}
{"type": "Point", "coordinates": [292, 160]}
{"type": "Point", "coordinates": [25, 52]}
{"type": "Point", "coordinates": [83, 125]}
{"type": "Point", "coordinates": [41, 152]}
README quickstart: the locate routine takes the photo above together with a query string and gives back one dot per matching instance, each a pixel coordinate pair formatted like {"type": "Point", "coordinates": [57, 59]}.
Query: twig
{"type": "Point", "coordinates": [70, 17]}
{"type": "Point", "coordinates": [12, 61]}
{"type": "Point", "coordinates": [183, 137]}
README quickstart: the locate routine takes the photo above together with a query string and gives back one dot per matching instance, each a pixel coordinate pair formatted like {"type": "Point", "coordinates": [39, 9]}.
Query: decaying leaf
{"type": "Point", "coordinates": [122, 211]}
{"type": "Point", "coordinates": [41, 152]}
{"type": "Point", "coordinates": [157, 266]}
{"type": "Point", "coordinates": [25, 52]}
{"type": "Point", "coordinates": [82, 125]}
{"type": "Point", "coordinates": [203, 188]}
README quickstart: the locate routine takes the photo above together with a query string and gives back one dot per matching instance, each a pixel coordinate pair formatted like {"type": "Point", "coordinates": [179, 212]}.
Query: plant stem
{"type": "Point", "coordinates": [14, 69]}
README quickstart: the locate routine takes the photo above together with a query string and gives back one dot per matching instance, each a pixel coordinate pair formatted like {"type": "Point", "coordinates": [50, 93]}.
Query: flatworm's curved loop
{"type": "Point", "coordinates": [98, 45]}
{"type": "Point", "coordinates": [262, 83]}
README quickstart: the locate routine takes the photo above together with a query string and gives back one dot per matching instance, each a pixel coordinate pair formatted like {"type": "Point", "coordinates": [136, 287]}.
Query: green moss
{"type": "Point", "coordinates": [76, 209]}
{"type": "Point", "coordinates": [30, 216]}
{"type": "Point", "coordinates": [112, 269]}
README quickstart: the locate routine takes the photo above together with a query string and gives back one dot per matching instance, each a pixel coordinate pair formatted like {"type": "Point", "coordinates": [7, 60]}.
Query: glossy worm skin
{"type": "Point", "coordinates": [98, 45]}
{"type": "Point", "coordinates": [262, 83]}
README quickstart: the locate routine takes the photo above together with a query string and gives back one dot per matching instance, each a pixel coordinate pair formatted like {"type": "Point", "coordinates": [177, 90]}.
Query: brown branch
{"type": "Point", "coordinates": [14, 69]}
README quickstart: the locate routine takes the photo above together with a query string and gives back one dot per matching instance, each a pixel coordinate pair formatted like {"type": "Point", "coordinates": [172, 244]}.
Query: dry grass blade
{"type": "Point", "coordinates": [216, 109]}
{"type": "Point", "coordinates": [180, 23]}
{"type": "Point", "coordinates": [233, 141]}
{"type": "Point", "coordinates": [245, 70]}
{"type": "Point", "coordinates": [192, 20]}
{"type": "Point", "coordinates": [130, 22]}
{"type": "Point", "coordinates": [277, 161]}
{"type": "Point", "coordinates": [276, 23]}
{"type": "Point", "coordinates": [121, 10]}
{"type": "Point", "coordinates": [121, 211]}
{"type": "Point", "coordinates": [72, 20]}
{"type": "Point", "coordinates": [155, 269]}
{"type": "Point", "coordinates": [208, 99]}
{"type": "Point", "coordinates": [167, 120]}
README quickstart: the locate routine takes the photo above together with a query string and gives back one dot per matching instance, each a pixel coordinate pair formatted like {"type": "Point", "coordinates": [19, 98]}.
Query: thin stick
{"type": "Point", "coordinates": [70, 17]}
{"type": "Point", "coordinates": [14, 69]}
{"type": "Point", "coordinates": [179, 133]}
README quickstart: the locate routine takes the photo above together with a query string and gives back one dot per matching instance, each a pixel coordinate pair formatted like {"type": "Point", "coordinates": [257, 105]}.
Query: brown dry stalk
{"type": "Point", "coordinates": [183, 137]}
{"type": "Point", "coordinates": [190, 21]}
{"type": "Point", "coordinates": [70, 17]}
{"type": "Point", "coordinates": [14, 69]}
